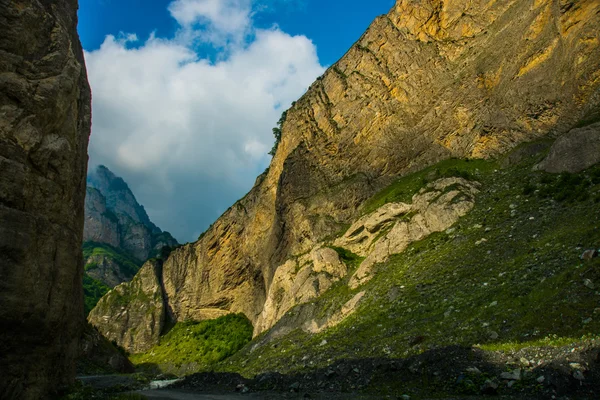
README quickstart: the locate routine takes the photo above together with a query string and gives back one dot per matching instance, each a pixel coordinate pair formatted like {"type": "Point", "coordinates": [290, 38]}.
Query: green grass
{"type": "Point", "coordinates": [548, 341]}
{"type": "Point", "coordinates": [93, 290]}
{"type": "Point", "coordinates": [199, 344]}
{"type": "Point", "coordinates": [128, 264]}
{"type": "Point", "coordinates": [525, 283]}
{"type": "Point", "coordinates": [404, 188]}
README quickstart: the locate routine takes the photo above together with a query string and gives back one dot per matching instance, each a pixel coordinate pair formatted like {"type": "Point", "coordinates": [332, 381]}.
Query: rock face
{"type": "Point", "coordinates": [391, 228]}
{"type": "Point", "coordinates": [118, 234]}
{"type": "Point", "coordinates": [98, 356]}
{"type": "Point", "coordinates": [430, 80]}
{"type": "Point", "coordinates": [114, 217]}
{"type": "Point", "coordinates": [45, 120]}
{"type": "Point", "coordinates": [575, 151]}
{"type": "Point", "coordinates": [298, 281]}
{"type": "Point", "coordinates": [134, 313]}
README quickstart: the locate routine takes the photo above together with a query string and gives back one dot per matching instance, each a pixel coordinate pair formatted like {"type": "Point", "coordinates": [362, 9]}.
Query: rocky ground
{"type": "Point", "coordinates": [568, 372]}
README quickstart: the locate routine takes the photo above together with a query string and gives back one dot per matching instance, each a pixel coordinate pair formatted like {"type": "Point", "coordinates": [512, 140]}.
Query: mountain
{"type": "Point", "coordinates": [44, 129]}
{"type": "Point", "coordinates": [427, 82]}
{"type": "Point", "coordinates": [118, 235]}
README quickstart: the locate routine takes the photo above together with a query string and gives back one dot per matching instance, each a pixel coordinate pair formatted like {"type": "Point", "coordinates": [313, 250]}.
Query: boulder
{"type": "Point", "coordinates": [575, 151]}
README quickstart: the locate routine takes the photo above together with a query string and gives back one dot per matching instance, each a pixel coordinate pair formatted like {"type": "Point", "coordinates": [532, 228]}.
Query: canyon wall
{"type": "Point", "coordinates": [45, 119]}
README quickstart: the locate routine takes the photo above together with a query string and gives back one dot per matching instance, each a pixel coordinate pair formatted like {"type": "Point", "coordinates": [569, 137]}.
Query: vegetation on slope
{"type": "Point", "coordinates": [128, 264]}
{"type": "Point", "coordinates": [93, 290]}
{"type": "Point", "coordinates": [191, 346]}
{"type": "Point", "coordinates": [508, 275]}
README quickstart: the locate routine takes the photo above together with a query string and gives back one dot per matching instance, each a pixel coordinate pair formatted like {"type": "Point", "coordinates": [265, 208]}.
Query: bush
{"type": "Point", "coordinates": [204, 343]}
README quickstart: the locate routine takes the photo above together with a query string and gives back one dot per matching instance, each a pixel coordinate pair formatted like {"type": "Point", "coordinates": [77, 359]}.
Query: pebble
{"type": "Point", "coordinates": [489, 387]}
{"type": "Point", "coordinates": [541, 379]}
{"type": "Point", "coordinates": [514, 375]}
{"type": "Point", "coordinates": [589, 284]}
{"type": "Point", "coordinates": [474, 370]}
{"type": "Point", "coordinates": [494, 335]}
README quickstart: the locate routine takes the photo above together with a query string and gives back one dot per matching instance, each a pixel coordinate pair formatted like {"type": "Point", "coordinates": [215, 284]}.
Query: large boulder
{"type": "Point", "coordinates": [45, 119]}
{"type": "Point", "coordinates": [575, 151]}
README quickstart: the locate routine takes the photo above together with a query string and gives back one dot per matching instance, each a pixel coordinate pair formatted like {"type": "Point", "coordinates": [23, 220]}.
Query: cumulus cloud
{"type": "Point", "coordinates": [187, 133]}
{"type": "Point", "coordinates": [221, 21]}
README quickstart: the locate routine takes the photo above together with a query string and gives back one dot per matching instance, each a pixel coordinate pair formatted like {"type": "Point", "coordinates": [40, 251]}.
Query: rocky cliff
{"type": "Point", "coordinates": [45, 118]}
{"type": "Point", "coordinates": [118, 235]}
{"type": "Point", "coordinates": [114, 217]}
{"type": "Point", "coordinates": [430, 80]}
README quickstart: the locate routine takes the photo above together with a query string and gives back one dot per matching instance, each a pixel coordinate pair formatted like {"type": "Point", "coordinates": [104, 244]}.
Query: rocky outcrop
{"type": "Point", "coordinates": [575, 151]}
{"type": "Point", "coordinates": [107, 270]}
{"type": "Point", "coordinates": [44, 128]}
{"type": "Point", "coordinates": [298, 281]}
{"type": "Point", "coordinates": [390, 229]}
{"type": "Point", "coordinates": [114, 217]}
{"type": "Point", "coordinates": [431, 80]}
{"type": "Point", "coordinates": [98, 356]}
{"type": "Point", "coordinates": [133, 314]}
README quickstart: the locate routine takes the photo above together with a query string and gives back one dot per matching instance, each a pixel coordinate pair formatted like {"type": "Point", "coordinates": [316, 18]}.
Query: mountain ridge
{"type": "Point", "coordinates": [118, 235]}
{"type": "Point", "coordinates": [429, 81]}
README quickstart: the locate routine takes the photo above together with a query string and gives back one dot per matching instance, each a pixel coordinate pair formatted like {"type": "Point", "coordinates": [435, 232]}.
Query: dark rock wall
{"type": "Point", "coordinates": [45, 118]}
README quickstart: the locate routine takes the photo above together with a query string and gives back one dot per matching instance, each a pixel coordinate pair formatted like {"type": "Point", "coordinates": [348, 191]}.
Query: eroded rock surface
{"type": "Point", "coordinates": [133, 314]}
{"type": "Point", "coordinates": [298, 281]}
{"type": "Point", "coordinates": [390, 229]}
{"type": "Point", "coordinates": [44, 128]}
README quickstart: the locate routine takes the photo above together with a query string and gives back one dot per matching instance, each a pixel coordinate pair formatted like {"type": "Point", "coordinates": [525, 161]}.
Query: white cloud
{"type": "Point", "coordinates": [216, 21]}
{"type": "Point", "coordinates": [177, 125]}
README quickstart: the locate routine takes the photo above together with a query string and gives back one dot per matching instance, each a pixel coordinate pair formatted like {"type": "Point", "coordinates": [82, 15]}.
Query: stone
{"type": "Point", "coordinates": [541, 379]}
{"type": "Point", "coordinates": [574, 151]}
{"type": "Point", "coordinates": [45, 117]}
{"type": "Point", "coordinates": [578, 374]}
{"type": "Point", "coordinates": [589, 254]}
{"type": "Point", "coordinates": [473, 370]}
{"type": "Point", "coordinates": [589, 284]}
{"type": "Point", "coordinates": [513, 375]}
{"type": "Point", "coordinates": [489, 387]}
{"type": "Point", "coordinates": [494, 335]}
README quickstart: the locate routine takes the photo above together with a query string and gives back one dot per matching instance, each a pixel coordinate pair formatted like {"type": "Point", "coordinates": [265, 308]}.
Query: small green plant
{"type": "Point", "coordinates": [277, 133]}
{"type": "Point", "coordinates": [93, 290]}
{"type": "Point", "coordinates": [566, 187]}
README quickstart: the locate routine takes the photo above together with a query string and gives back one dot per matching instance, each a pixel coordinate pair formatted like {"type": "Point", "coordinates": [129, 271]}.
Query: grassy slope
{"type": "Point", "coordinates": [93, 289]}
{"type": "Point", "coordinates": [525, 282]}
{"type": "Point", "coordinates": [198, 345]}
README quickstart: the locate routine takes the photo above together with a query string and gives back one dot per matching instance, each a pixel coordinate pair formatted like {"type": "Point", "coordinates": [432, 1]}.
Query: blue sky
{"type": "Point", "coordinates": [333, 25]}
{"type": "Point", "coordinates": [185, 92]}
